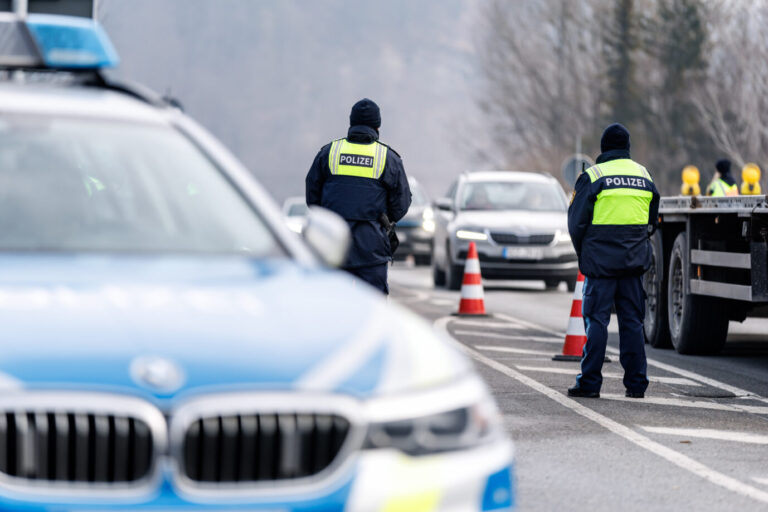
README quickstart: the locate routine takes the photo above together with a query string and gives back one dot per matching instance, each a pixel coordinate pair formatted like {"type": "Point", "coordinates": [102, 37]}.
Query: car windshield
{"type": "Point", "coordinates": [71, 184]}
{"type": "Point", "coordinates": [297, 210]}
{"type": "Point", "coordinates": [511, 195]}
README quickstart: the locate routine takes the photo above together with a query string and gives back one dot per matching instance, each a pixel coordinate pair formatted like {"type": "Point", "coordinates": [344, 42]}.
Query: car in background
{"type": "Point", "coordinates": [416, 229]}
{"type": "Point", "coordinates": [169, 344]}
{"type": "Point", "coordinates": [295, 211]}
{"type": "Point", "coordinates": [518, 221]}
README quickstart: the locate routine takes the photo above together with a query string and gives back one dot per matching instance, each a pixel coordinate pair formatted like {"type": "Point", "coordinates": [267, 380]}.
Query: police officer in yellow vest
{"type": "Point", "coordinates": [612, 214]}
{"type": "Point", "coordinates": [723, 183]}
{"type": "Point", "coordinates": [362, 180]}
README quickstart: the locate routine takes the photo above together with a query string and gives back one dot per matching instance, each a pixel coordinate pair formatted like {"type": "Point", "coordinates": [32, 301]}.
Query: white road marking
{"type": "Point", "coordinates": [464, 322]}
{"type": "Point", "coordinates": [608, 375]}
{"type": "Point", "coordinates": [538, 339]}
{"type": "Point", "coordinates": [513, 350]}
{"type": "Point", "coordinates": [738, 392]}
{"type": "Point", "coordinates": [617, 428]}
{"type": "Point", "coordinates": [677, 402]}
{"type": "Point", "coordinates": [760, 479]}
{"type": "Point", "coordinates": [443, 302]}
{"type": "Point", "coordinates": [708, 433]}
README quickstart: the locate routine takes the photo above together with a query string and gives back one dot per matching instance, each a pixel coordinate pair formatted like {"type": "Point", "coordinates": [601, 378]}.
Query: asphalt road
{"type": "Point", "coordinates": [698, 441]}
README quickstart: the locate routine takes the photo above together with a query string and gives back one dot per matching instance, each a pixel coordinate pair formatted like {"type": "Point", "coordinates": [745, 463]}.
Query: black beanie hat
{"type": "Point", "coordinates": [723, 166]}
{"type": "Point", "coordinates": [614, 137]}
{"type": "Point", "coordinates": [365, 112]}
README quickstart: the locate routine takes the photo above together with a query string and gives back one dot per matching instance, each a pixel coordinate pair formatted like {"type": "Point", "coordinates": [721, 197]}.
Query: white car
{"type": "Point", "coordinates": [518, 221]}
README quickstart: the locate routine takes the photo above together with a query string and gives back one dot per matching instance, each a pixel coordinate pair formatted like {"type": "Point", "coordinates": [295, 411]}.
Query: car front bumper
{"type": "Point", "coordinates": [544, 262]}
{"type": "Point", "coordinates": [480, 479]}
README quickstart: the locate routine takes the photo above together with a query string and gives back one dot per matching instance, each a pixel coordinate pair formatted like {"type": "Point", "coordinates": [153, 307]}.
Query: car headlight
{"type": "Point", "coordinates": [455, 428]}
{"type": "Point", "coordinates": [466, 234]}
{"type": "Point", "coordinates": [428, 222]}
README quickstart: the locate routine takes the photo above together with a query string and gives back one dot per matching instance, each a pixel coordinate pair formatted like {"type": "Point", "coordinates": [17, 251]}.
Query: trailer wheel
{"type": "Point", "coordinates": [697, 324]}
{"type": "Point", "coordinates": [656, 325]}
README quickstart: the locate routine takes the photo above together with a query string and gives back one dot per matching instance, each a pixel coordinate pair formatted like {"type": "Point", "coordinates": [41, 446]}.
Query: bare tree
{"type": "Point", "coordinates": [542, 78]}
{"type": "Point", "coordinates": [733, 104]}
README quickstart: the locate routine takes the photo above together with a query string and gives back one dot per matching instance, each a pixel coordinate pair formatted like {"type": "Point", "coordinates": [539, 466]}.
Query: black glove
{"type": "Point", "coordinates": [389, 227]}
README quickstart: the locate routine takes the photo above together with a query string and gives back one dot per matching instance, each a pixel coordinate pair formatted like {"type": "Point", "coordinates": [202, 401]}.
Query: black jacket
{"type": "Point", "coordinates": [362, 200]}
{"type": "Point", "coordinates": [608, 250]}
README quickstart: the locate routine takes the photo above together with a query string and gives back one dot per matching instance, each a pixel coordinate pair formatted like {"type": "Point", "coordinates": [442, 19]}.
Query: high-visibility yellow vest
{"type": "Point", "coordinates": [361, 160]}
{"type": "Point", "coordinates": [626, 193]}
{"type": "Point", "coordinates": [720, 188]}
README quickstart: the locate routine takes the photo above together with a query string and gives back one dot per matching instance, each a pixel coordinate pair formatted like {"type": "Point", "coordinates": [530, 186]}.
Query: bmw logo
{"type": "Point", "coordinates": [157, 373]}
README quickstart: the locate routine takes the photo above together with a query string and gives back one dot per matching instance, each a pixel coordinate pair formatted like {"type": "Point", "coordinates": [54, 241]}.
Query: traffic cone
{"type": "Point", "coordinates": [575, 336]}
{"type": "Point", "coordinates": [472, 302]}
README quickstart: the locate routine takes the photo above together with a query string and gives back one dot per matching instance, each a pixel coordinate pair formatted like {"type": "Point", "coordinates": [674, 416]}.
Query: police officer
{"type": "Point", "coordinates": [360, 179]}
{"type": "Point", "coordinates": [613, 211]}
{"type": "Point", "coordinates": [723, 183]}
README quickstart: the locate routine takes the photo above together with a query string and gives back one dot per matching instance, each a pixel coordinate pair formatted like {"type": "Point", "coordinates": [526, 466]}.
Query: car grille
{"type": "Point", "coordinates": [512, 239]}
{"type": "Point", "coordinates": [51, 445]}
{"type": "Point", "coordinates": [261, 447]}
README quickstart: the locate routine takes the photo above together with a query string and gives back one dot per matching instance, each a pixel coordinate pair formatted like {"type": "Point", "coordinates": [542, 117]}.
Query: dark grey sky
{"type": "Point", "coordinates": [275, 79]}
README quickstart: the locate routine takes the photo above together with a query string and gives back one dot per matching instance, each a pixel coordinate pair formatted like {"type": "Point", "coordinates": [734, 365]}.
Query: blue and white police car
{"type": "Point", "coordinates": [168, 344]}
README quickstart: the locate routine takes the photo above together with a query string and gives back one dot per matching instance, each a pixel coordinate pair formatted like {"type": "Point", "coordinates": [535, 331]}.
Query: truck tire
{"type": "Point", "coordinates": [697, 324]}
{"type": "Point", "coordinates": [656, 323]}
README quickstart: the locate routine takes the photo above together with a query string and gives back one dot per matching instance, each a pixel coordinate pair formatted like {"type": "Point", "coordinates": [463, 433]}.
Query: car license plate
{"type": "Point", "coordinates": [522, 253]}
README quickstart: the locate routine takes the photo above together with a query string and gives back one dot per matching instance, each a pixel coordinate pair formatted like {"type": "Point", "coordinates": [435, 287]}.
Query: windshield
{"type": "Point", "coordinates": [418, 197]}
{"type": "Point", "coordinates": [538, 197]}
{"type": "Point", "coordinates": [94, 185]}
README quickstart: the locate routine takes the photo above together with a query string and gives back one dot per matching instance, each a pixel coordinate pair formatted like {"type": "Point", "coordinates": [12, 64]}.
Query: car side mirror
{"type": "Point", "coordinates": [327, 234]}
{"type": "Point", "coordinates": [444, 204]}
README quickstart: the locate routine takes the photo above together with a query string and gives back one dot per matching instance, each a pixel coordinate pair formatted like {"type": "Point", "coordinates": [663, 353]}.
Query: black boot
{"type": "Point", "coordinates": [582, 393]}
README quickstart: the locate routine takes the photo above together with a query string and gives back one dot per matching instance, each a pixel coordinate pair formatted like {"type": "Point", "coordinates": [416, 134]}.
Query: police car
{"type": "Point", "coordinates": [169, 344]}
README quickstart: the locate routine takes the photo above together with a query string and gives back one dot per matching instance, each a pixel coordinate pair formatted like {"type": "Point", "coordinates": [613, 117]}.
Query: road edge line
{"type": "Point", "coordinates": [617, 428]}
{"type": "Point", "coordinates": [738, 392]}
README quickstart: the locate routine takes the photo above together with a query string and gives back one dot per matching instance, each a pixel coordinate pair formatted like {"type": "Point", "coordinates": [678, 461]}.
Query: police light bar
{"type": "Point", "coordinates": [55, 42]}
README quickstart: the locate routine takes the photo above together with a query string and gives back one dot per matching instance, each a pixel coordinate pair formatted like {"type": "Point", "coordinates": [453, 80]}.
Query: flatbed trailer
{"type": "Point", "coordinates": [710, 266]}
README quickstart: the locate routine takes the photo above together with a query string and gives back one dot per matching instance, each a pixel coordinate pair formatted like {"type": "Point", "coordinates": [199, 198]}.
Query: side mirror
{"type": "Point", "coordinates": [327, 234]}
{"type": "Point", "coordinates": [445, 204]}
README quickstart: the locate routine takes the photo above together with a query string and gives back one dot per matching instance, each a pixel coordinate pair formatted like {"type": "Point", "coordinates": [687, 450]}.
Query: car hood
{"type": "Point", "coordinates": [165, 327]}
{"type": "Point", "coordinates": [516, 221]}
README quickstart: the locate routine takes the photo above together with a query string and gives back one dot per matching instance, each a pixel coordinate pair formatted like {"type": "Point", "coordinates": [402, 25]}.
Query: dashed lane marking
{"type": "Point", "coordinates": [511, 337]}
{"type": "Point", "coordinates": [463, 322]}
{"type": "Point", "coordinates": [708, 433]}
{"type": "Point", "coordinates": [736, 391]}
{"type": "Point", "coordinates": [514, 350]}
{"type": "Point", "coordinates": [677, 402]}
{"type": "Point", "coordinates": [442, 302]}
{"type": "Point", "coordinates": [610, 375]}
{"type": "Point", "coordinates": [617, 428]}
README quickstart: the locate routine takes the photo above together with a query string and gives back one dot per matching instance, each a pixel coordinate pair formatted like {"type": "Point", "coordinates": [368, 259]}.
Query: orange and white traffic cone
{"type": "Point", "coordinates": [472, 302]}
{"type": "Point", "coordinates": [575, 336]}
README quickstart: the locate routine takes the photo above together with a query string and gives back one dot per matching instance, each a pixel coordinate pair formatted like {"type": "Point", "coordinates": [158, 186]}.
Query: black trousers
{"type": "Point", "coordinates": [628, 295]}
{"type": "Point", "coordinates": [374, 275]}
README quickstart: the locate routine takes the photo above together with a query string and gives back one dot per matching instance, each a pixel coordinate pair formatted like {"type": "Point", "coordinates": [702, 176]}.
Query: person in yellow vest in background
{"type": "Point", "coordinates": [690, 181]}
{"type": "Point", "coordinates": [364, 181]}
{"type": "Point", "coordinates": [723, 183]}
{"type": "Point", "coordinates": [750, 176]}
